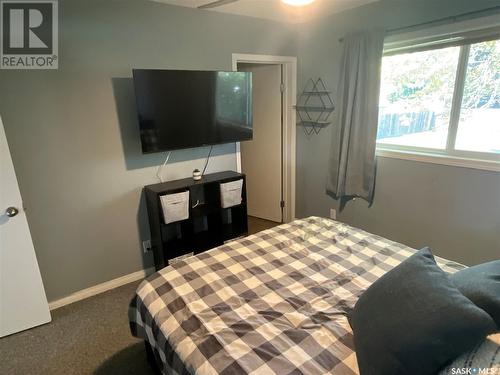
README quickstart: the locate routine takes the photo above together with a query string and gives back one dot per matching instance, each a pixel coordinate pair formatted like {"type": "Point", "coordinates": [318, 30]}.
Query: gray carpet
{"type": "Point", "coordinates": [87, 337]}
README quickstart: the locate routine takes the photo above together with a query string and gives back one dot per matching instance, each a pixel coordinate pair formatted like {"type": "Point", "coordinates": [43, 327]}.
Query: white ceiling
{"type": "Point", "coordinates": [275, 9]}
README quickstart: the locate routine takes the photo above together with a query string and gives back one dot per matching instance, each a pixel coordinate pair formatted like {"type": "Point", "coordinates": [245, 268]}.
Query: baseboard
{"type": "Point", "coordinates": [100, 288]}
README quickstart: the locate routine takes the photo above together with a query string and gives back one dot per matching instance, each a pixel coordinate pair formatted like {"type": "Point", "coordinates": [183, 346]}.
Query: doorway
{"type": "Point", "coordinates": [269, 159]}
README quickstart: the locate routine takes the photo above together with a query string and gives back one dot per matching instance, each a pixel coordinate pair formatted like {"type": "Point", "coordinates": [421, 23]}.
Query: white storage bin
{"type": "Point", "coordinates": [175, 206]}
{"type": "Point", "coordinates": [230, 193]}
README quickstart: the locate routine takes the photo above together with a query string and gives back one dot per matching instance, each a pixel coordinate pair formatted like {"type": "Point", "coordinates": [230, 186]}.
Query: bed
{"type": "Point", "coordinates": [270, 303]}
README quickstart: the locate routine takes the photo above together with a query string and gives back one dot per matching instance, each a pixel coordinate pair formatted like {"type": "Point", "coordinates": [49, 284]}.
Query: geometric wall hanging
{"type": "Point", "coordinates": [314, 106]}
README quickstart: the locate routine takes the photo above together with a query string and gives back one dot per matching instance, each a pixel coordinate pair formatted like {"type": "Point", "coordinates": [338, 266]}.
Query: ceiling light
{"type": "Point", "coordinates": [297, 3]}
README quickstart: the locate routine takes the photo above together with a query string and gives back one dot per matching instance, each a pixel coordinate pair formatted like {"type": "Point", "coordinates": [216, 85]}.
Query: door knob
{"type": "Point", "coordinates": [11, 211]}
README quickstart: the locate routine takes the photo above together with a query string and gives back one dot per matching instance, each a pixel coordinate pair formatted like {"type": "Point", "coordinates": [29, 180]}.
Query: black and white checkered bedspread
{"type": "Point", "coordinates": [271, 303]}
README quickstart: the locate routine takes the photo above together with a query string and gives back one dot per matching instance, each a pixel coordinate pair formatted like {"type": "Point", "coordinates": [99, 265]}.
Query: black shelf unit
{"type": "Point", "coordinates": [209, 225]}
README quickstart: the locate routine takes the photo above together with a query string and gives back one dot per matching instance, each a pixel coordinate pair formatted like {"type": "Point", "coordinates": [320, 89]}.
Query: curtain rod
{"type": "Point", "coordinates": [439, 20]}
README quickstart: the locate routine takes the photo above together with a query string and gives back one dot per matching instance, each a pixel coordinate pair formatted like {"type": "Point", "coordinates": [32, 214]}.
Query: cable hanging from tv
{"type": "Point", "coordinates": [206, 163]}
{"type": "Point", "coordinates": [160, 168]}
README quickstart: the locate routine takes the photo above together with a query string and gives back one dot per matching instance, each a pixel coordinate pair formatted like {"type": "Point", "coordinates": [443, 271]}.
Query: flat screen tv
{"type": "Point", "coordinates": [185, 108]}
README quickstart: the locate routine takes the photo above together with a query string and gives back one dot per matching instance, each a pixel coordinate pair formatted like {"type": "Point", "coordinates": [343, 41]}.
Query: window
{"type": "Point", "coordinates": [443, 100]}
{"type": "Point", "coordinates": [479, 121]}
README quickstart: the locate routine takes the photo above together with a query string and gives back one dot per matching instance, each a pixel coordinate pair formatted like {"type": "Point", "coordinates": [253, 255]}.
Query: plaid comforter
{"type": "Point", "coordinates": [271, 303]}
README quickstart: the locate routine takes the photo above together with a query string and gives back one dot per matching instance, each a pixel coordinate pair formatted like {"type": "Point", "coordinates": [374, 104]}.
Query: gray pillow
{"type": "Point", "coordinates": [413, 320]}
{"type": "Point", "coordinates": [481, 284]}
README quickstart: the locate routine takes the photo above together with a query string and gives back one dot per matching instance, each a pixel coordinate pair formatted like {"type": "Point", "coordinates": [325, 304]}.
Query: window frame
{"type": "Point", "coordinates": [461, 34]}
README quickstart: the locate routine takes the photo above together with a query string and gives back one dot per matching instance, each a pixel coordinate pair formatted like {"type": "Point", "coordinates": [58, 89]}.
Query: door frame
{"type": "Point", "coordinates": [289, 69]}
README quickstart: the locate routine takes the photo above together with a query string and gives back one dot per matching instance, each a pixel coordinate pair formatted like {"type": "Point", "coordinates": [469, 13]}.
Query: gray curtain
{"type": "Point", "coordinates": [352, 164]}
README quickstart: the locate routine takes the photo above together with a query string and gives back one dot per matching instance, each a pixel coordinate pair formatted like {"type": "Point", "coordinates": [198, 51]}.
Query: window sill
{"type": "Point", "coordinates": [425, 157]}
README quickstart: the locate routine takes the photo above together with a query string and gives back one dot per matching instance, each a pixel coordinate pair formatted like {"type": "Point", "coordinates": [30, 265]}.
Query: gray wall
{"type": "Point", "coordinates": [454, 210]}
{"type": "Point", "coordinates": [73, 132]}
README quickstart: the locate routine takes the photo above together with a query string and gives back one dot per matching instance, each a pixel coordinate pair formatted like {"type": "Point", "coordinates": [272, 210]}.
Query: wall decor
{"type": "Point", "coordinates": [314, 106]}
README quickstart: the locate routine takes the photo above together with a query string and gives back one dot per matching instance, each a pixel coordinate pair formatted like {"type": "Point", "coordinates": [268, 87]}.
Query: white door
{"type": "Point", "coordinates": [23, 303]}
{"type": "Point", "coordinates": [261, 158]}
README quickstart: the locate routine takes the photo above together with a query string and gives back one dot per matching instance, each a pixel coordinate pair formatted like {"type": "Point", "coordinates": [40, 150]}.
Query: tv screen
{"type": "Point", "coordinates": [184, 108]}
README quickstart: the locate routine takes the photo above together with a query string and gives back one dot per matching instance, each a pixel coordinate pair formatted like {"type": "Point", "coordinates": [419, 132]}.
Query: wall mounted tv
{"type": "Point", "coordinates": [185, 108]}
